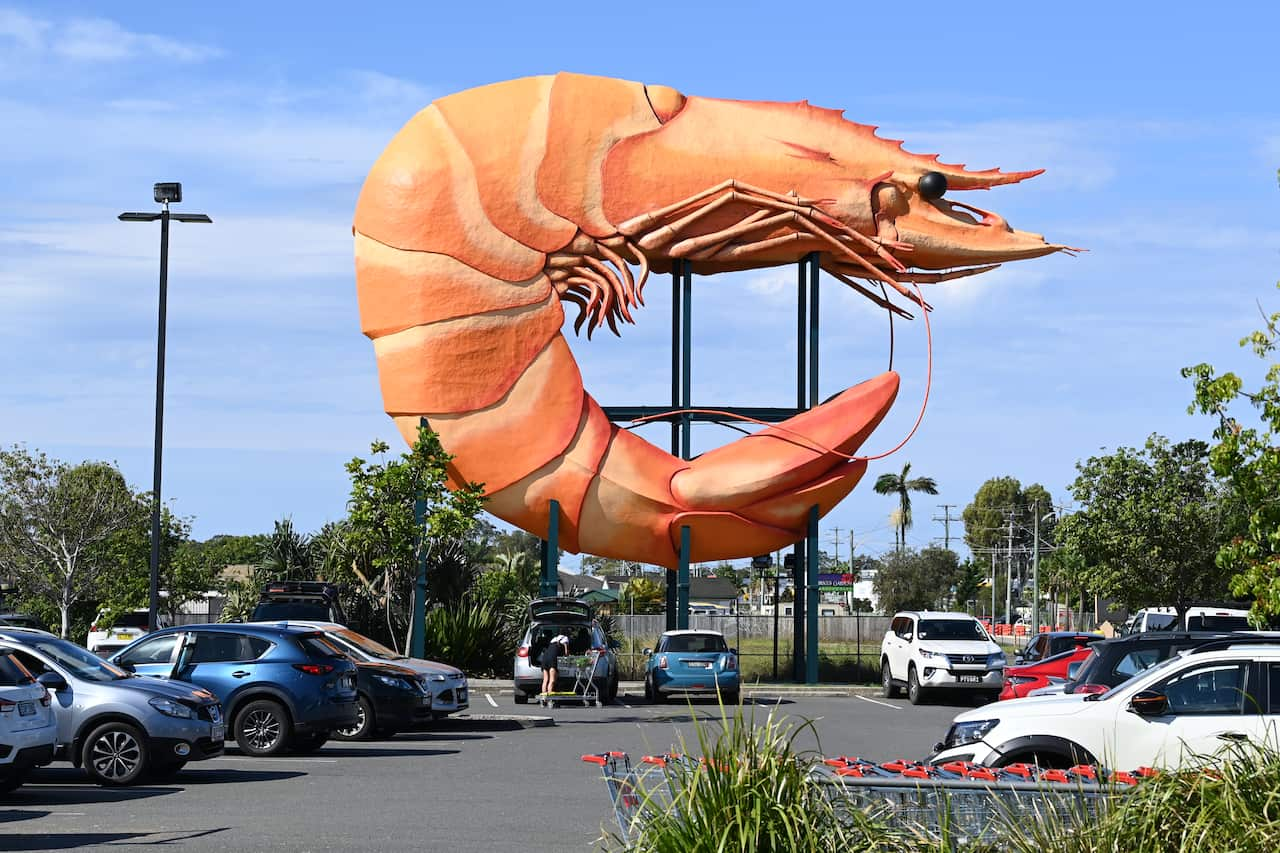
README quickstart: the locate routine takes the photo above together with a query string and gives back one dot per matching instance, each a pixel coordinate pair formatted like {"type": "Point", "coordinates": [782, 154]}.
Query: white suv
{"type": "Point", "coordinates": [27, 730]}
{"type": "Point", "coordinates": [924, 650]}
{"type": "Point", "coordinates": [106, 639]}
{"type": "Point", "coordinates": [1174, 714]}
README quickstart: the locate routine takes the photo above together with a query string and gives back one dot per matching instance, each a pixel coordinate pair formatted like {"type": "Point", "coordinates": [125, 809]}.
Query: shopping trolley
{"type": "Point", "coordinates": [582, 669]}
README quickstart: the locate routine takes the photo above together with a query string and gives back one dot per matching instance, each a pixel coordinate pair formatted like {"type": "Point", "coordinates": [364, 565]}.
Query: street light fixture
{"type": "Point", "coordinates": [164, 194]}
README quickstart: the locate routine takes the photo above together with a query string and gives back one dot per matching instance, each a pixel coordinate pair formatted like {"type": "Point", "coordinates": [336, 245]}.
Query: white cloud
{"type": "Point", "coordinates": [94, 40]}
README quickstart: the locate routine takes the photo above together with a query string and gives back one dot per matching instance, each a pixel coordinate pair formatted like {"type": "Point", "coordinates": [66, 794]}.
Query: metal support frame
{"type": "Point", "coordinates": [417, 646]}
{"type": "Point", "coordinates": [805, 577]}
{"type": "Point", "coordinates": [549, 584]}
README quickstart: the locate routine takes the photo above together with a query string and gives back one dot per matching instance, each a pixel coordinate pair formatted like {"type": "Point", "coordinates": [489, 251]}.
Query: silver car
{"type": "Point", "coordinates": [118, 726]}
{"type": "Point", "coordinates": [448, 684]}
{"type": "Point", "coordinates": [576, 620]}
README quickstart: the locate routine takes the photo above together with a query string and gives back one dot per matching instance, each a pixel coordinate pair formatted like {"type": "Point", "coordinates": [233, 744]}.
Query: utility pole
{"type": "Point", "coordinates": [993, 590]}
{"type": "Point", "coordinates": [1035, 566]}
{"type": "Point", "coordinates": [946, 523]}
{"type": "Point", "coordinates": [1008, 579]}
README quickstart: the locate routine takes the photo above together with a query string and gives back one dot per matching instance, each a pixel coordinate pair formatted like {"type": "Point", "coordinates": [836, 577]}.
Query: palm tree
{"type": "Point", "coordinates": [902, 486]}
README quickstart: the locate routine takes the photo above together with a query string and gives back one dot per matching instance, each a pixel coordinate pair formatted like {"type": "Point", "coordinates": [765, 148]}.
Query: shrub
{"type": "Point", "coordinates": [475, 637]}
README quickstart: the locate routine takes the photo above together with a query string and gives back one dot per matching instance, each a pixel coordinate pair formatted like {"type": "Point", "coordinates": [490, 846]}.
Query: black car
{"type": "Point", "coordinates": [309, 601]}
{"type": "Point", "coordinates": [22, 620]}
{"type": "Point", "coordinates": [392, 699]}
{"type": "Point", "coordinates": [1050, 643]}
{"type": "Point", "coordinates": [1114, 662]}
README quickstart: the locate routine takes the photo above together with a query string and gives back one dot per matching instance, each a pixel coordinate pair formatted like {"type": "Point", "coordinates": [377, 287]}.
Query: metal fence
{"type": "Point", "coordinates": [848, 646]}
{"type": "Point", "coordinates": [200, 611]}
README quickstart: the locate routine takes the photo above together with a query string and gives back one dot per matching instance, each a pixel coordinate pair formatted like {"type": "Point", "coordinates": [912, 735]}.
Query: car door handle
{"type": "Point", "coordinates": [240, 673]}
{"type": "Point", "coordinates": [1237, 736]}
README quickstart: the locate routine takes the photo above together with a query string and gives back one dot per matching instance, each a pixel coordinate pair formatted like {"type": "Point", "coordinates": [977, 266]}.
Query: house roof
{"type": "Point", "coordinates": [717, 588]}
{"type": "Point", "coordinates": [573, 583]}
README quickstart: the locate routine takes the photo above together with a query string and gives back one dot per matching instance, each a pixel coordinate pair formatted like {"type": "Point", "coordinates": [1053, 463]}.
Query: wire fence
{"type": "Point", "coordinates": [848, 646]}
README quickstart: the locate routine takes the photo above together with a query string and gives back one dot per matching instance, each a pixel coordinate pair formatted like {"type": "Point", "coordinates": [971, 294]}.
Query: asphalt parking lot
{"type": "Point", "coordinates": [467, 785]}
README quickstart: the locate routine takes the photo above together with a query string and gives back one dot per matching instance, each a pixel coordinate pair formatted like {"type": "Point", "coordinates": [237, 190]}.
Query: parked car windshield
{"type": "Point", "coordinates": [370, 647]}
{"type": "Point", "coordinates": [951, 629]}
{"type": "Point", "coordinates": [81, 663]}
{"type": "Point", "coordinates": [696, 643]}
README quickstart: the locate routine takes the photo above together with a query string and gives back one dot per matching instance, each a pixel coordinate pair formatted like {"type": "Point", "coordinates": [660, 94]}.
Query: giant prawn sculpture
{"type": "Point", "coordinates": [494, 207]}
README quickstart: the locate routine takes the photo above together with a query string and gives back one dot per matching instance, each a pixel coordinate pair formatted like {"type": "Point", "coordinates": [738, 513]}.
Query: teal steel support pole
{"type": "Point", "coordinates": [417, 648]}
{"type": "Point", "coordinates": [550, 584]}
{"type": "Point", "coordinates": [683, 580]}
{"type": "Point", "coordinates": [672, 607]}
{"type": "Point", "coordinates": [811, 603]}
{"type": "Point", "coordinates": [812, 263]}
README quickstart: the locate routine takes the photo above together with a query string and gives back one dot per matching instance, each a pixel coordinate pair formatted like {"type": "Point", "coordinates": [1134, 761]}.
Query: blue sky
{"type": "Point", "coordinates": [1158, 134]}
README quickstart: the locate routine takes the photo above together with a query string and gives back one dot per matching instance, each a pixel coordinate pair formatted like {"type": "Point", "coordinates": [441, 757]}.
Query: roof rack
{"type": "Point", "coordinates": [1232, 642]}
{"type": "Point", "coordinates": [305, 587]}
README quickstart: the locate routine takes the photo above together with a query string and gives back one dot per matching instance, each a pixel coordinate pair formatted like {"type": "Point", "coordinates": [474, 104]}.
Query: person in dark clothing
{"type": "Point", "coordinates": [559, 645]}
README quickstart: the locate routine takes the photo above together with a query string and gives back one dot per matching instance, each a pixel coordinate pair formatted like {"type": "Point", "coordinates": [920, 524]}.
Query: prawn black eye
{"type": "Point", "coordinates": [932, 185]}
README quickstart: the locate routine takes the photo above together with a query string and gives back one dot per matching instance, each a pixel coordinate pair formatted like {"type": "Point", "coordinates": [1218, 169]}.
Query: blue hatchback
{"type": "Point", "coordinates": [282, 688]}
{"type": "Point", "coordinates": [692, 662]}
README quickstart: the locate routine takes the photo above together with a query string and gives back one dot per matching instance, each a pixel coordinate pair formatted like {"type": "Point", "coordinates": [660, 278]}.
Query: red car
{"type": "Point", "coordinates": [1021, 680]}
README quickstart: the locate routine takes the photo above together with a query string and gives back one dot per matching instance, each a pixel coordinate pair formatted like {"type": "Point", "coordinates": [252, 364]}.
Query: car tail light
{"type": "Point", "coordinates": [731, 662]}
{"type": "Point", "coordinates": [600, 649]}
{"type": "Point", "coordinates": [522, 652]}
{"type": "Point", "coordinates": [44, 700]}
{"type": "Point", "coordinates": [1086, 689]}
{"type": "Point", "coordinates": [94, 627]}
{"type": "Point", "coordinates": [7, 706]}
{"type": "Point", "coordinates": [662, 661]}
{"type": "Point", "coordinates": [314, 668]}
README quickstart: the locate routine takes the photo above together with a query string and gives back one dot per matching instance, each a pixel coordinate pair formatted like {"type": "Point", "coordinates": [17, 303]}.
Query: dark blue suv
{"type": "Point", "coordinates": [282, 688]}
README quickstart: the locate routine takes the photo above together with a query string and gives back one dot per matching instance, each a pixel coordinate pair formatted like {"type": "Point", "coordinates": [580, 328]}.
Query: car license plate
{"type": "Point", "coordinates": [970, 679]}
{"type": "Point", "coordinates": [126, 635]}
{"type": "Point", "coordinates": [218, 732]}
{"type": "Point", "coordinates": [700, 664]}
{"type": "Point", "coordinates": [26, 709]}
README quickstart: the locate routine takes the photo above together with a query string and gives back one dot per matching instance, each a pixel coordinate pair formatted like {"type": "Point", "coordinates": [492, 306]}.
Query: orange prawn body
{"type": "Point", "coordinates": [494, 208]}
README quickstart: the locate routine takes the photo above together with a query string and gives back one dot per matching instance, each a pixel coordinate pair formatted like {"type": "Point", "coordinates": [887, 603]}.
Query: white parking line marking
{"type": "Point", "coordinates": [490, 698]}
{"type": "Point", "coordinates": [878, 702]}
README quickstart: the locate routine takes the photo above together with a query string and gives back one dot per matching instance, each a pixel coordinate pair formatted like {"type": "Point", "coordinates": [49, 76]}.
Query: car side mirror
{"type": "Point", "coordinates": [1017, 659]}
{"type": "Point", "coordinates": [1073, 670]}
{"type": "Point", "coordinates": [52, 681]}
{"type": "Point", "coordinates": [125, 665]}
{"type": "Point", "coordinates": [733, 651]}
{"type": "Point", "coordinates": [1149, 703]}
{"type": "Point", "coordinates": [907, 636]}
{"type": "Point", "coordinates": [648, 651]}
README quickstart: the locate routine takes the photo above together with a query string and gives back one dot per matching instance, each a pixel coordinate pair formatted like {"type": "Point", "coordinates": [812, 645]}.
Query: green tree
{"type": "Point", "coordinates": [385, 540]}
{"type": "Point", "coordinates": [608, 566]}
{"type": "Point", "coordinates": [643, 595]}
{"type": "Point", "coordinates": [902, 485]}
{"type": "Point", "coordinates": [1247, 456]}
{"type": "Point", "coordinates": [57, 525]}
{"type": "Point", "coordinates": [1151, 523]}
{"type": "Point", "coordinates": [288, 555]}
{"type": "Point", "coordinates": [916, 580]}
{"type": "Point", "coordinates": [986, 518]}
{"type": "Point", "coordinates": [185, 571]}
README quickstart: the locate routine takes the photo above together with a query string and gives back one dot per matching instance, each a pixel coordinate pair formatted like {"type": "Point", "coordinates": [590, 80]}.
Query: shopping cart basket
{"type": "Point", "coordinates": [581, 668]}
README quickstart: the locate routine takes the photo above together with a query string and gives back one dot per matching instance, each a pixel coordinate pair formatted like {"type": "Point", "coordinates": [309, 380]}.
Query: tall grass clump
{"type": "Point", "coordinates": [752, 792]}
{"type": "Point", "coordinates": [1231, 807]}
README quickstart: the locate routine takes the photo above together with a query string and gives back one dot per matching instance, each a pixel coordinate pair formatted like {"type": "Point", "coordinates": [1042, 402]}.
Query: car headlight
{"type": "Point", "coordinates": [929, 655]}
{"type": "Point", "coordinates": [170, 708]}
{"type": "Point", "coordinates": [996, 659]}
{"type": "Point", "coordinates": [970, 732]}
{"type": "Point", "coordinates": [439, 678]}
{"type": "Point", "coordinates": [392, 681]}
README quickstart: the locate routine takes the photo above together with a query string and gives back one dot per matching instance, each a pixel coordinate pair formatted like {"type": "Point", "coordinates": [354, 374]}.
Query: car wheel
{"type": "Point", "coordinates": [733, 697]}
{"type": "Point", "coordinates": [303, 744]}
{"type": "Point", "coordinates": [262, 728]}
{"type": "Point", "coordinates": [520, 697]}
{"type": "Point", "coordinates": [165, 772]}
{"type": "Point", "coordinates": [114, 754]}
{"type": "Point", "coordinates": [887, 688]}
{"type": "Point", "coordinates": [364, 725]}
{"type": "Point", "coordinates": [915, 693]}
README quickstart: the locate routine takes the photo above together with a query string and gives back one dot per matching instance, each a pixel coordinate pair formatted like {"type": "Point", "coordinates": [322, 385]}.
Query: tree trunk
{"type": "Point", "coordinates": [66, 619]}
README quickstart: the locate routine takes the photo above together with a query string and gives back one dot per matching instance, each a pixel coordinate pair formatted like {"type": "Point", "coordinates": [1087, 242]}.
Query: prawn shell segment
{"type": "Point", "coordinates": [422, 194]}
{"type": "Point", "coordinates": [570, 178]}
{"type": "Point", "coordinates": [463, 364]}
{"type": "Point", "coordinates": [503, 129]}
{"type": "Point", "coordinates": [398, 289]}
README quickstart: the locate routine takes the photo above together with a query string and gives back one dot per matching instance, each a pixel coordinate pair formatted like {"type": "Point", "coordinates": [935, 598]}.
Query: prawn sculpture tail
{"type": "Point", "coordinates": [494, 208]}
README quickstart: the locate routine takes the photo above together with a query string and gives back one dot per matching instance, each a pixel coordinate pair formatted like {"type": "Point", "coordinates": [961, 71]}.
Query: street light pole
{"type": "Point", "coordinates": [164, 193]}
